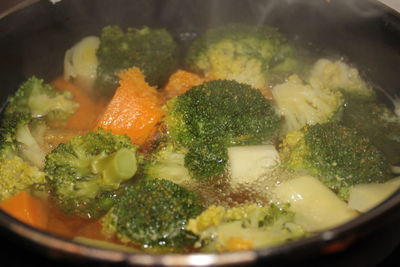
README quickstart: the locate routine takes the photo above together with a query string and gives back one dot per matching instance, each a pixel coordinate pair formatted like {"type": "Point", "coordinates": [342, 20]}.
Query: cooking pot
{"type": "Point", "coordinates": [35, 34]}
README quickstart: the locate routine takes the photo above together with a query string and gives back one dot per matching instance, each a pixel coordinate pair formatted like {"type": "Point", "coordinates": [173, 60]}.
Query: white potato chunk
{"type": "Point", "coordinates": [364, 197]}
{"type": "Point", "coordinates": [316, 207]}
{"type": "Point", "coordinates": [247, 163]}
{"type": "Point", "coordinates": [80, 62]}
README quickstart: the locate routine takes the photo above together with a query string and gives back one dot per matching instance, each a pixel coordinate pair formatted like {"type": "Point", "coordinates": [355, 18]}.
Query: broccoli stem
{"type": "Point", "coordinates": [116, 167]}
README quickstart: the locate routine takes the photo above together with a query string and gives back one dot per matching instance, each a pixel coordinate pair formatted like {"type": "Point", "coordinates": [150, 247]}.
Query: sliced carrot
{"type": "Point", "coordinates": [27, 208]}
{"type": "Point", "coordinates": [180, 82]}
{"type": "Point", "coordinates": [86, 116]}
{"type": "Point", "coordinates": [135, 109]}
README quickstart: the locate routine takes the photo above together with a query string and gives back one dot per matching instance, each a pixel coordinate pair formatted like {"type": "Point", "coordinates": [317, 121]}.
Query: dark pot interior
{"type": "Point", "coordinates": [33, 41]}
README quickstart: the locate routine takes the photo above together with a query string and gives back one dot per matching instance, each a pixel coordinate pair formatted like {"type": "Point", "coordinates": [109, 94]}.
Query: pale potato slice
{"type": "Point", "coordinates": [80, 62]}
{"type": "Point", "coordinates": [364, 197]}
{"type": "Point", "coordinates": [247, 163]}
{"type": "Point", "coordinates": [317, 208]}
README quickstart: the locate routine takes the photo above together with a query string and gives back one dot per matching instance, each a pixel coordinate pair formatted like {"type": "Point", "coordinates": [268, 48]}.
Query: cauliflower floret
{"type": "Point", "coordinates": [302, 104]}
{"type": "Point", "coordinates": [337, 75]}
{"type": "Point", "coordinates": [226, 64]}
{"type": "Point", "coordinates": [80, 62]}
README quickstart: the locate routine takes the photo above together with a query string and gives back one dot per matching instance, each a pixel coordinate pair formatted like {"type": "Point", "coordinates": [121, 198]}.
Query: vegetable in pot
{"type": "Point", "coordinates": [244, 227]}
{"type": "Point", "coordinates": [302, 104]}
{"type": "Point", "coordinates": [153, 51]}
{"type": "Point", "coordinates": [339, 156]}
{"type": "Point", "coordinates": [377, 122]}
{"type": "Point", "coordinates": [38, 99]}
{"type": "Point", "coordinates": [214, 115]}
{"type": "Point", "coordinates": [86, 172]}
{"type": "Point", "coordinates": [134, 110]}
{"type": "Point", "coordinates": [337, 75]}
{"type": "Point", "coordinates": [255, 55]}
{"type": "Point", "coordinates": [154, 214]}
{"type": "Point", "coordinates": [248, 148]}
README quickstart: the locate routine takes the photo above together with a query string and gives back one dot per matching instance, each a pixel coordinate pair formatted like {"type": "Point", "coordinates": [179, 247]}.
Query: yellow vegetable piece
{"type": "Point", "coordinates": [317, 208]}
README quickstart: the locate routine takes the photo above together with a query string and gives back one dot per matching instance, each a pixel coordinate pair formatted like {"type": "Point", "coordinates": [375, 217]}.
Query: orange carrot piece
{"type": "Point", "coordinates": [86, 116]}
{"type": "Point", "coordinates": [135, 109]}
{"type": "Point", "coordinates": [180, 82]}
{"type": "Point", "coordinates": [27, 208]}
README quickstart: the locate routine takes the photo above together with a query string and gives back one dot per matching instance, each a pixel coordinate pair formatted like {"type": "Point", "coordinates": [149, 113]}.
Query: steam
{"type": "Point", "coordinates": [360, 8]}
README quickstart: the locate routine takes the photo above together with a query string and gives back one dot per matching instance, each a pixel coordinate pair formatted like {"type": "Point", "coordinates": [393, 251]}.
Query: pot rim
{"type": "Point", "coordinates": [365, 224]}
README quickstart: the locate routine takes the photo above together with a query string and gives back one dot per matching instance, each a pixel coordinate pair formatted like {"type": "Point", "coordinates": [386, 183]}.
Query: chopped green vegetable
{"type": "Point", "coordinates": [255, 55]}
{"type": "Point", "coordinates": [38, 99]}
{"type": "Point", "coordinates": [377, 122]}
{"type": "Point", "coordinates": [86, 171]}
{"type": "Point", "coordinates": [217, 114]}
{"type": "Point", "coordinates": [153, 213]}
{"type": "Point", "coordinates": [153, 51]}
{"type": "Point", "coordinates": [339, 156]}
{"type": "Point", "coordinates": [244, 227]}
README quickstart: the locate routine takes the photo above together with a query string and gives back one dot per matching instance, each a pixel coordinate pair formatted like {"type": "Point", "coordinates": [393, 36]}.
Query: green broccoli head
{"type": "Point", "coordinates": [86, 172]}
{"type": "Point", "coordinates": [206, 160]}
{"type": "Point", "coordinates": [249, 226]}
{"type": "Point", "coordinates": [153, 51]}
{"type": "Point", "coordinates": [217, 114]}
{"type": "Point", "coordinates": [8, 129]}
{"type": "Point", "coordinates": [38, 99]}
{"type": "Point", "coordinates": [256, 55]}
{"type": "Point", "coordinates": [153, 213]}
{"type": "Point", "coordinates": [222, 111]}
{"type": "Point", "coordinates": [377, 122]}
{"type": "Point", "coordinates": [338, 155]}
{"type": "Point", "coordinates": [17, 175]}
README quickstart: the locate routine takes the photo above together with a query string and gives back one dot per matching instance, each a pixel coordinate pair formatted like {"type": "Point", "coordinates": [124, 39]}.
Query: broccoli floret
{"type": "Point", "coordinates": [9, 127]}
{"type": "Point", "coordinates": [256, 55]}
{"type": "Point", "coordinates": [86, 171]}
{"type": "Point", "coordinates": [23, 122]}
{"type": "Point", "coordinates": [17, 138]}
{"type": "Point", "coordinates": [377, 122]}
{"type": "Point", "coordinates": [339, 156]}
{"type": "Point", "coordinates": [217, 114]}
{"type": "Point", "coordinates": [153, 213]}
{"type": "Point", "coordinates": [337, 75]}
{"type": "Point", "coordinates": [301, 104]}
{"type": "Point", "coordinates": [38, 99]}
{"type": "Point", "coordinates": [244, 227]}
{"type": "Point", "coordinates": [16, 144]}
{"type": "Point", "coordinates": [168, 163]}
{"type": "Point", "coordinates": [153, 51]}
{"type": "Point", "coordinates": [206, 160]}
{"type": "Point", "coordinates": [17, 175]}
